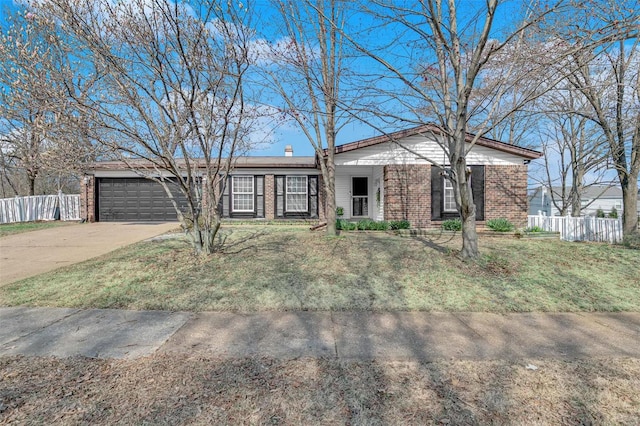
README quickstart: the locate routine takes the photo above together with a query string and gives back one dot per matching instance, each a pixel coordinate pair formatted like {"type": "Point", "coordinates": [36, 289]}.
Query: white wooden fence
{"type": "Point", "coordinates": [581, 228]}
{"type": "Point", "coordinates": [39, 207]}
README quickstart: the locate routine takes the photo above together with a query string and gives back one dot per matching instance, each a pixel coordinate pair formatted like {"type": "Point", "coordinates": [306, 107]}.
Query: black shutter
{"type": "Point", "coordinates": [477, 186]}
{"type": "Point", "coordinates": [437, 188]}
{"type": "Point", "coordinates": [259, 188]}
{"type": "Point", "coordinates": [313, 197]}
{"type": "Point", "coordinates": [279, 190]}
{"type": "Point", "coordinates": [224, 200]}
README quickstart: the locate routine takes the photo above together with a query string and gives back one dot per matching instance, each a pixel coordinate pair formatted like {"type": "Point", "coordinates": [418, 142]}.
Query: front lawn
{"type": "Point", "coordinates": [196, 390]}
{"type": "Point", "coordinates": [20, 227]}
{"type": "Point", "coordinates": [278, 268]}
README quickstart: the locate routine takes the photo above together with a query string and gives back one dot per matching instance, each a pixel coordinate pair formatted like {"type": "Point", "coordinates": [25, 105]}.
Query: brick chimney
{"type": "Point", "coordinates": [288, 151]}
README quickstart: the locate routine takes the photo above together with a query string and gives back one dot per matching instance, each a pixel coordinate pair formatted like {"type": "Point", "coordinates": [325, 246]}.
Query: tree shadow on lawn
{"type": "Point", "coordinates": [359, 387]}
{"type": "Point", "coordinates": [201, 390]}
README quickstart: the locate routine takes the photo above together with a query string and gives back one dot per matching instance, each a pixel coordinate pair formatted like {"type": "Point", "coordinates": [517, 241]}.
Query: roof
{"type": "Point", "coordinates": [432, 128]}
{"type": "Point", "coordinates": [240, 162]}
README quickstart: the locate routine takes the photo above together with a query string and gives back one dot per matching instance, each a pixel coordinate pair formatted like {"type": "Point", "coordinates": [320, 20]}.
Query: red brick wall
{"type": "Point", "coordinates": [407, 194]}
{"type": "Point", "coordinates": [87, 198]}
{"type": "Point", "coordinates": [269, 197]}
{"type": "Point", "coordinates": [506, 193]}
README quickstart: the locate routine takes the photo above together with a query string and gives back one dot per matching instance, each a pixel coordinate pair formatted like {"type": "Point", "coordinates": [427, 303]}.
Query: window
{"type": "Point", "coordinates": [618, 205]}
{"type": "Point", "coordinates": [449, 197]}
{"type": "Point", "coordinates": [242, 193]}
{"type": "Point", "coordinates": [296, 190]}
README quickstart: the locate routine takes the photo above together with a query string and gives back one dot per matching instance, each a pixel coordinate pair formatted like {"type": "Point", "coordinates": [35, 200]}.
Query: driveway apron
{"type": "Point", "coordinates": [33, 253]}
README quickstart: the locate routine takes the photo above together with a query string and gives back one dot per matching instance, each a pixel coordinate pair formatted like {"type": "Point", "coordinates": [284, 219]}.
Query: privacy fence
{"type": "Point", "coordinates": [581, 228]}
{"type": "Point", "coordinates": [40, 207]}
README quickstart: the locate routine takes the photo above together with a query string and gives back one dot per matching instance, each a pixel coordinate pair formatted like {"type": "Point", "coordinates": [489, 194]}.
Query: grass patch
{"type": "Point", "coordinates": [20, 227]}
{"type": "Point", "coordinates": [268, 268]}
{"type": "Point", "coordinates": [180, 390]}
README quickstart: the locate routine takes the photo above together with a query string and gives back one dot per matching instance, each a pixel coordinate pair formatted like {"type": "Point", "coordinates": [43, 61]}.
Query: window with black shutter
{"type": "Point", "coordinates": [296, 196]}
{"type": "Point", "coordinates": [438, 210]}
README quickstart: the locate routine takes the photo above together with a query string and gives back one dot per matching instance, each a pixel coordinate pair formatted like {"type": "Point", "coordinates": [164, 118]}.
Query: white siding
{"type": "Point", "coordinates": [343, 187]}
{"type": "Point", "coordinates": [391, 153]}
{"type": "Point", "coordinates": [606, 204]}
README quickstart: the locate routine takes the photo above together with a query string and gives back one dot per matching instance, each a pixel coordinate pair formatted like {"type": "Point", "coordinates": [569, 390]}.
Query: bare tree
{"type": "Point", "coordinates": [308, 73]}
{"type": "Point", "coordinates": [36, 123]}
{"type": "Point", "coordinates": [606, 71]}
{"type": "Point", "coordinates": [436, 65]}
{"type": "Point", "coordinates": [168, 94]}
{"type": "Point", "coordinates": [573, 148]}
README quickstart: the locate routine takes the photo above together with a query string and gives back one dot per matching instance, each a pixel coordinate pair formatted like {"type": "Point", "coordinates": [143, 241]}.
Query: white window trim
{"type": "Point", "coordinates": [234, 193]}
{"type": "Point", "coordinates": [306, 193]}
{"type": "Point", "coordinates": [444, 196]}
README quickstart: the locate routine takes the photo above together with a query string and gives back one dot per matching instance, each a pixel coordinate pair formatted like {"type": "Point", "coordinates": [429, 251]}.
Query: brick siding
{"type": "Point", "coordinates": [506, 193]}
{"type": "Point", "coordinates": [87, 198]}
{"type": "Point", "coordinates": [407, 194]}
{"type": "Point", "coordinates": [269, 197]}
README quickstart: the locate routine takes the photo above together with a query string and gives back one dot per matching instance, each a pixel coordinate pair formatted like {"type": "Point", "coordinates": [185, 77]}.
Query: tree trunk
{"type": "Point", "coordinates": [630, 204]}
{"type": "Point", "coordinates": [469, 238]}
{"type": "Point", "coordinates": [32, 185]}
{"type": "Point", "coordinates": [467, 212]}
{"type": "Point", "coordinates": [330, 194]}
{"type": "Point", "coordinates": [576, 202]}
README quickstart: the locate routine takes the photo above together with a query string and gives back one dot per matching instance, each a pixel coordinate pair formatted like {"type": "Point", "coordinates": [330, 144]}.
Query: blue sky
{"type": "Point", "coordinates": [289, 134]}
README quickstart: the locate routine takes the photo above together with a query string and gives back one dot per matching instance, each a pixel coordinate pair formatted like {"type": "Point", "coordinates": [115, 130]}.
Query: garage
{"type": "Point", "coordinates": [135, 200]}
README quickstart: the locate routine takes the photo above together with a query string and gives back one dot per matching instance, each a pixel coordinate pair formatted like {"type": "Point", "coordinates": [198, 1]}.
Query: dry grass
{"type": "Point", "coordinates": [270, 268]}
{"type": "Point", "coordinates": [18, 228]}
{"type": "Point", "coordinates": [178, 390]}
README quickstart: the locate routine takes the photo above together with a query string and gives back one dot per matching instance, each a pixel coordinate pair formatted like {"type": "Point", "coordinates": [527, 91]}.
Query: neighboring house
{"type": "Point", "coordinates": [376, 178]}
{"type": "Point", "coordinates": [594, 198]}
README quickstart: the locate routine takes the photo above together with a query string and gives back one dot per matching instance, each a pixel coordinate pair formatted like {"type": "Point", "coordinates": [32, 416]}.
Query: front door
{"type": "Point", "coordinates": [359, 196]}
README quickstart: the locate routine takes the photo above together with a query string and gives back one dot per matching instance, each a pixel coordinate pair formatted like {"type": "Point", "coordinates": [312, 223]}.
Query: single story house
{"type": "Point", "coordinates": [376, 178]}
{"type": "Point", "coordinates": [594, 198]}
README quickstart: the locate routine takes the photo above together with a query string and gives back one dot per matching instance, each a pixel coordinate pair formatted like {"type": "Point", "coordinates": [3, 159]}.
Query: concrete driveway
{"type": "Point", "coordinates": [32, 253]}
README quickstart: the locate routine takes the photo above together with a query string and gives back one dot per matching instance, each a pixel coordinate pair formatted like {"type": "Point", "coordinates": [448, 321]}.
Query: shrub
{"type": "Point", "coordinates": [365, 224]}
{"type": "Point", "coordinates": [500, 225]}
{"type": "Point", "coordinates": [534, 229]}
{"type": "Point", "coordinates": [345, 225]}
{"type": "Point", "coordinates": [614, 213]}
{"type": "Point", "coordinates": [362, 225]}
{"type": "Point", "coordinates": [383, 225]}
{"type": "Point", "coordinates": [339, 211]}
{"type": "Point", "coordinates": [599, 213]}
{"type": "Point", "coordinates": [632, 241]}
{"type": "Point", "coordinates": [452, 225]}
{"type": "Point", "coordinates": [399, 224]}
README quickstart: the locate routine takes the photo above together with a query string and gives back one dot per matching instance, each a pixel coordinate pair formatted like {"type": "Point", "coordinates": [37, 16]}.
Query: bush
{"type": "Point", "coordinates": [382, 225]}
{"type": "Point", "coordinates": [500, 225]}
{"type": "Point", "coordinates": [365, 224]}
{"type": "Point", "coordinates": [345, 225]}
{"type": "Point", "coordinates": [362, 225]}
{"type": "Point", "coordinates": [599, 213]}
{"type": "Point", "coordinates": [534, 229]}
{"type": "Point", "coordinates": [399, 224]}
{"type": "Point", "coordinates": [452, 225]}
{"type": "Point", "coordinates": [614, 213]}
{"type": "Point", "coordinates": [339, 211]}
{"type": "Point", "coordinates": [632, 241]}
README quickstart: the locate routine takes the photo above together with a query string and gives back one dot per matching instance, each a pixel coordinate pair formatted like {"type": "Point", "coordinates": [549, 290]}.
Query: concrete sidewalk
{"type": "Point", "coordinates": [346, 335]}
